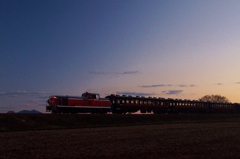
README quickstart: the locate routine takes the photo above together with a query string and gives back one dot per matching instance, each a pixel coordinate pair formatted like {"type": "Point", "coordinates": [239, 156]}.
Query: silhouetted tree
{"type": "Point", "coordinates": [214, 98]}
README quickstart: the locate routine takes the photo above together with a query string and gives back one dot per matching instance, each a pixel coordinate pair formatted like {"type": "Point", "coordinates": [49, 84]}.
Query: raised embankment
{"type": "Point", "coordinates": [29, 122]}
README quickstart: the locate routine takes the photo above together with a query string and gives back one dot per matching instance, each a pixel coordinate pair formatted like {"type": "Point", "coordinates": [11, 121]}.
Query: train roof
{"type": "Point", "coordinates": [169, 99]}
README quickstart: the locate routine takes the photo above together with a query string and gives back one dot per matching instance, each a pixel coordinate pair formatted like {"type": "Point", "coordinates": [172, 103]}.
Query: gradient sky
{"type": "Point", "coordinates": [164, 48]}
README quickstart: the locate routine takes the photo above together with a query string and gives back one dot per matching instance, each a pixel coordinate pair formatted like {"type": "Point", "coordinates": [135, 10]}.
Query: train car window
{"type": "Point", "coordinates": [118, 101]}
{"type": "Point", "coordinates": [123, 101]}
{"type": "Point", "coordinates": [132, 101]}
{"type": "Point", "coordinates": [141, 102]}
{"type": "Point", "coordinates": [136, 101]}
{"type": "Point", "coordinates": [149, 102]}
{"type": "Point", "coordinates": [153, 102]}
{"type": "Point", "coordinates": [145, 102]}
{"type": "Point", "coordinates": [127, 101]}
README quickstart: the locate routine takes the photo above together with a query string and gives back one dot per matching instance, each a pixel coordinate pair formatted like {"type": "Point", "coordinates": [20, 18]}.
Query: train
{"type": "Point", "coordinates": [122, 104]}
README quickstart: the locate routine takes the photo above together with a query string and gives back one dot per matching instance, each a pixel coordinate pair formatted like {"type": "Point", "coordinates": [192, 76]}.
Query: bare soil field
{"type": "Point", "coordinates": [181, 137]}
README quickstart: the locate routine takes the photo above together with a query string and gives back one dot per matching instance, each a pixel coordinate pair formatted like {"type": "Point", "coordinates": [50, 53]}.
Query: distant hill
{"type": "Point", "coordinates": [29, 112]}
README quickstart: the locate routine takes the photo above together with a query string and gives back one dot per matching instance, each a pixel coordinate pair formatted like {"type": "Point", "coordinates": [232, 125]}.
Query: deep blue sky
{"type": "Point", "coordinates": [167, 48]}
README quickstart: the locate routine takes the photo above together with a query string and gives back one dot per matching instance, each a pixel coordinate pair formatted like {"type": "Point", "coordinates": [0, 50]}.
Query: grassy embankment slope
{"type": "Point", "coordinates": [29, 122]}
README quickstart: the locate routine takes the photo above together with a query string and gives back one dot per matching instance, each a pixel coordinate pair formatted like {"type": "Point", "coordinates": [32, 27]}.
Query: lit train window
{"type": "Point", "coordinates": [132, 101]}
{"type": "Point", "coordinates": [127, 101]}
{"type": "Point", "coordinates": [141, 102]}
{"type": "Point", "coordinates": [149, 102]}
{"type": "Point", "coordinates": [136, 101]}
{"type": "Point", "coordinates": [118, 101]}
{"type": "Point", "coordinates": [123, 101]}
{"type": "Point", "coordinates": [145, 102]}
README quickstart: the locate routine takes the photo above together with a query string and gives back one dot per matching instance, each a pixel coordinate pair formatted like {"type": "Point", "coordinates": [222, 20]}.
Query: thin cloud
{"type": "Point", "coordinates": [219, 84]}
{"type": "Point", "coordinates": [237, 82]}
{"type": "Point", "coordinates": [166, 85]}
{"type": "Point", "coordinates": [172, 92]}
{"type": "Point", "coordinates": [24, 93]}
{"type": "Point", "coordinates": [182, 85]}
{"type": "Point", "coordinates": [114, 73]}
{"type": "Point", "coordinates": [155, 85]}
{"type": "Point", "coordinates": [128, 72]}
{"type": "Point", "coordinates": [136, 93]}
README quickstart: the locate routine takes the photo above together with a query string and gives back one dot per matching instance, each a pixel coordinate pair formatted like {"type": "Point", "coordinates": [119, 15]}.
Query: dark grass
{"type": "Point", "coordinates": [30, 122]}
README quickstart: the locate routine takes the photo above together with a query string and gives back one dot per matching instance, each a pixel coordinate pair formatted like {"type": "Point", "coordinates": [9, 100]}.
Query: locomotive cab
{"type": "Point", "coordinates": [91, 95]}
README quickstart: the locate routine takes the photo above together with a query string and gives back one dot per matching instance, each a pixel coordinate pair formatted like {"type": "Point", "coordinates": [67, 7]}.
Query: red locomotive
{"type": "Point", "coordinates": [87, 103]}
{"type": "Point", "coordinates": [92, 103]}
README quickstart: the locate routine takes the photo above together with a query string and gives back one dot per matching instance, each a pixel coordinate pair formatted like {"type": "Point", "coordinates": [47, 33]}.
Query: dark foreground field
{"type": "Point", "coordinates": [120, 136]}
